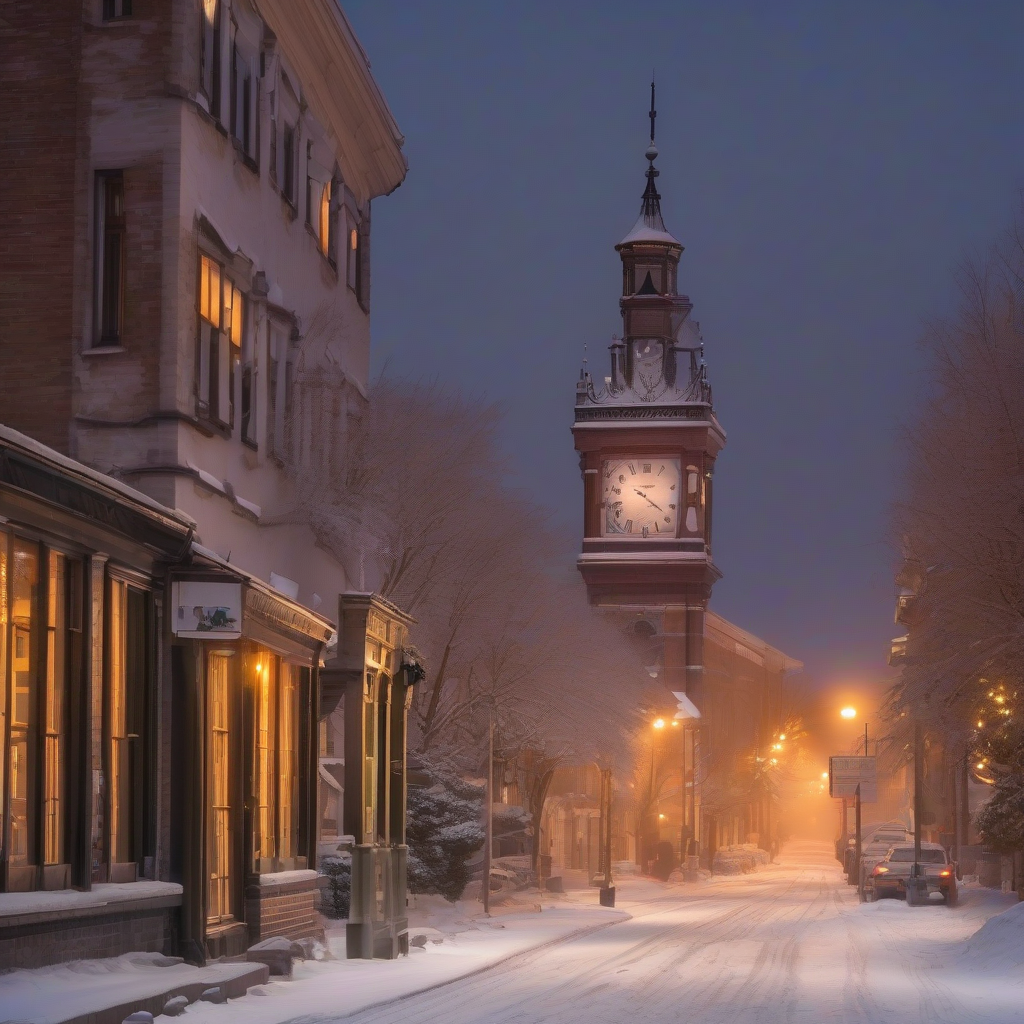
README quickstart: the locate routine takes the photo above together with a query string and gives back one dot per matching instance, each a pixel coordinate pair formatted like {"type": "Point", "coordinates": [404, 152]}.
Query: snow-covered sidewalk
{"type": "Point", "coordinates": [787, 945]}
{"type": "Point", "coordinates": [460, 942]}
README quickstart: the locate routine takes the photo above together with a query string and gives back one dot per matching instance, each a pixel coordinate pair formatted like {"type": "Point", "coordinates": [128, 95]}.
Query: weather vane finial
{"type": "Point", "coordinates": [651, 208]}
{"type": "Point", "coordinates": [653, 114]}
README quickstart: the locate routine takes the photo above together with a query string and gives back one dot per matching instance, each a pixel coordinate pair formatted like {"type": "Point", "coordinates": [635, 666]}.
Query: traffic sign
{"type": "Point", "coordinates": [845, 774]}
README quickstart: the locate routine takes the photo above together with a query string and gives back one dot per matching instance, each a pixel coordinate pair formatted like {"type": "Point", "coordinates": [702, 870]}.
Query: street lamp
{"type": "Point", "coordinates": [848, 712]}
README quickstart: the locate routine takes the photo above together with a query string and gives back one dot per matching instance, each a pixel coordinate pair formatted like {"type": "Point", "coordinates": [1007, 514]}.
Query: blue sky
{"type": "Point", "coordinates": [827, 167]}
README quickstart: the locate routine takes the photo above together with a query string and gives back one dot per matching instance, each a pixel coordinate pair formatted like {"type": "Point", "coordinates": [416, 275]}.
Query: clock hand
{"type": "Point", "coordinates": [644, 496]}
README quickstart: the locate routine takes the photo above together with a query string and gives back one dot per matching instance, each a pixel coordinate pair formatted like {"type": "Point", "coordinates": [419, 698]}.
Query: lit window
{"type": "Point", "coordinates": [218, 346]}
{"type": "Point", "coordinates": [40, 603]}
{"type": "Point", "coordinates": [325, 219]}
{"type": "Point", "coordinates": [352, 256]}
{"type": "Point", "coordinates": [276, 694]}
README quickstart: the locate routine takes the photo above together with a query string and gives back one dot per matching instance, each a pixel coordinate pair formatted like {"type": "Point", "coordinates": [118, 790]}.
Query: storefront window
{"type": "Point", "coordinates": [127, 690]}
{"type": "Point", "coordinates": [264, 845]}
{"type": "Point", "coordinates": [56, 709]}
{"type": "Point", "coordinates": [24, 707]}
{"type": "Point", "coordinates": [288, 763]}
{"type": "Point", "coordinates": [276, 689]}
{"type": "Point", "coordinates": [39, 618]}
{"type": "Point", "coordinates": [219, 710]}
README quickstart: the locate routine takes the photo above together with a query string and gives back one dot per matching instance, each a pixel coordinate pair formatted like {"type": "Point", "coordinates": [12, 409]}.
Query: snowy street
{"type": "Point", "coordinates": [790, 944]}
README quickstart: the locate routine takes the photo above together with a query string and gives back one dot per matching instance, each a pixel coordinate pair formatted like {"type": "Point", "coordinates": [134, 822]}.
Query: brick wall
{"type": "Point", "coordinates": [290, 910]}
{"type": "Point", "coordinates": [87, 938]}
{"type": "Point", "coordinates": [40, 135]}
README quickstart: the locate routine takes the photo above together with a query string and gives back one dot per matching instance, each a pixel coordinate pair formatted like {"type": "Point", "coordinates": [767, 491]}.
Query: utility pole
{"type": "Point", "coordinates": [489, 833]}
{"type": "Point", "coordinates": [918, 804]}
{"type": "Point", "coordinates": [856, 860]}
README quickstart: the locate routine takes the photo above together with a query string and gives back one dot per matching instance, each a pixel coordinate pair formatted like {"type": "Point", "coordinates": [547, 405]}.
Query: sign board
{"type": "Point", "coordinates": [846, 773]}
{"type": "Point", "coordinates": [207, 611]}
{"type": "Point", "coordinates": [687, 709]}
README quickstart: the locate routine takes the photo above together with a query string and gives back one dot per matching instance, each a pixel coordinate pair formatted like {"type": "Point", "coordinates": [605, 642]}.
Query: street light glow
{"type": "Point", "coordinates": [659, 723]}
{"type": "Point", "coordinates": [849, 712]}
{"type": "Point", "coordinates": [824, 775]}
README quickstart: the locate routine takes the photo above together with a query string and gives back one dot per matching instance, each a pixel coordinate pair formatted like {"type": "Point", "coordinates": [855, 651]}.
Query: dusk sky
{"type": "Point", "coordinates": [826, 167]}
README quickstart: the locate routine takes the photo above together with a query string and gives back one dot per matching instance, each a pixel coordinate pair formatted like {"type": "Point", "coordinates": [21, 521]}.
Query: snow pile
{"type": "Point", "coordinates": [741, 859]}
{"type": "Point", "coordinates": [998, 945]}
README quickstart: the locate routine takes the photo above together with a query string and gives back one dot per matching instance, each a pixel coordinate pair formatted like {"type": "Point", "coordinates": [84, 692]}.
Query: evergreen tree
{"type": "Point", "coordinates": [443, 831]}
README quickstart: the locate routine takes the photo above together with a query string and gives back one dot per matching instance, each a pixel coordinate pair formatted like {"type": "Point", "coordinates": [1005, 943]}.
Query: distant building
{"type": "Point", "coordinates": [745, 700]}
{"type": "Point", "coordinates": [184, 250]}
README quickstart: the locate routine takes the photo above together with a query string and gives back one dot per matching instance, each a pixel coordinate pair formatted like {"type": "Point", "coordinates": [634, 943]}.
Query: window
{"type": "Point", "coordinates": [23, 812]}
{"type": "Point", "coordinates": [220, 831]}
{"type": "Point", "coordinates": [352, 251]}
{"type": "Point", "coordinates": [324, 225]}
{"type": "Point", "coordinates": [40, 627]}
{"type": "Point", "coordinates": [288, 163]}
{"type": "Point", "coordinates": [116, 9]}
{"type": "Point", "coordinates": [127, 686]}
{"type": "Point", "coordinates": [210, 57]}
{"type": "Point", "coordinates": [110, 246]}
{"type": "Point", "coordinates": [219, 342]}
{"type": "Point", "coordinates": [309, 183]}
{"type": "Point", "coordinates": [250, 377]}
{"type": "Point", "coordinates": [279, 393]}
{"type": "Point", "coordinates": [276, 689]}
{"type": "Point", "coordinates": [244, 103]}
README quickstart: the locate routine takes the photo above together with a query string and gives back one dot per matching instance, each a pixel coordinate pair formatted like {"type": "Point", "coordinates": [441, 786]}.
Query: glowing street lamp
{"type": "Point", "coordinates": [848, 713]}
{"type": "Point", "coordinates": [658, 723]}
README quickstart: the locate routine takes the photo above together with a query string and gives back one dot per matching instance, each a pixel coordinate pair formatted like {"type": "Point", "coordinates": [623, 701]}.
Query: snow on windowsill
{"type": "Point", "coordinates": [55, 901]}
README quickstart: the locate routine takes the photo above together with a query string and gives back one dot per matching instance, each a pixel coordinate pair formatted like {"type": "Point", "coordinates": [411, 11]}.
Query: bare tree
{"type": "Point", "coordinates": [961, 519]}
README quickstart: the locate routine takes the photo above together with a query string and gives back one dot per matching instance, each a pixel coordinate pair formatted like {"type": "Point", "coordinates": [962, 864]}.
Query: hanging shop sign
{"type": "Point", "coordinates": [845, 774]}
{"type": "Point", "coordinates": [207, 611]}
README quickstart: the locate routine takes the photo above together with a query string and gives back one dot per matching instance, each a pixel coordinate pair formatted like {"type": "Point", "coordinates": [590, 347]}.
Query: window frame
{"type": "Point", "coordinates": [133, 658]}
{"type": "Point", "coordinates": [275, 706]}
{"type": "Point", "coordinates": [114, 10]}
{"type": "Point", "coordinates": [55, 659]}
{"type": "Point", "coordinates": [222, 320]}
{"type": "Point", "coordinates": [110, 237]}
{"type": "Point", "coordinates": [210, 57]}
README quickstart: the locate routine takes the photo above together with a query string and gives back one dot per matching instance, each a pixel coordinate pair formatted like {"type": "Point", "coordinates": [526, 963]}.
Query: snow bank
{"type": "Point", "coordinates": [741, 859]}
{"type": "Point", "coordinates": [998, 945]}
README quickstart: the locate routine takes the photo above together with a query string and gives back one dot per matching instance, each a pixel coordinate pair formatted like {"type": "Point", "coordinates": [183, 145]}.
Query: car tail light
{"type": "Point", "coordinates": [945, 874]}
{"type": "Point", "coordinates": [879, 870]}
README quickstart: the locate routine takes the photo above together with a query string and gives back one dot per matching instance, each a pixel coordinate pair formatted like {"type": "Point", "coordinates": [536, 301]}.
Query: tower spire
{"type": "Point", "coordinates": [650, 209]}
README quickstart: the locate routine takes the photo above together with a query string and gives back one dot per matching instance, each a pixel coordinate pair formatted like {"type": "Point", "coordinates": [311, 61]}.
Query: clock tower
{"type": "Point", "coordinates": [648, 437]}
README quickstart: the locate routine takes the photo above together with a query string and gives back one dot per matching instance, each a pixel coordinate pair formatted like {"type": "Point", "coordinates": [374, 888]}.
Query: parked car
{"type": "Point", "coordinates": [873, 854]}
{"type": "Point", "coordinates": [891, 876]}
{"type": "Point", "coordinates": [879, 837]}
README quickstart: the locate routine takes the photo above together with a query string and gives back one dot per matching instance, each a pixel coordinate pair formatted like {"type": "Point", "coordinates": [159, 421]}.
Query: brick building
{"type": "Point", "coordinates": [184, 257]}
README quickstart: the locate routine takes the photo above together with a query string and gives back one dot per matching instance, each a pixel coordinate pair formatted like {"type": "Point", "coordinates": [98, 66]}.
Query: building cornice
{"type": "Point", "coordinates": [336, 80]}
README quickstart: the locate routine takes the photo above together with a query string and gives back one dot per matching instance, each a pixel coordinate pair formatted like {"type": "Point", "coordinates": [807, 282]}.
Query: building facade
{"type": "Point", "coordinates": [185, 257]}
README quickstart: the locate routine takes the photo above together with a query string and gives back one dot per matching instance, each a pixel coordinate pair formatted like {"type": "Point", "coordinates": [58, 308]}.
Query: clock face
{"type": "Point", "coordinates": [641, 497]}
